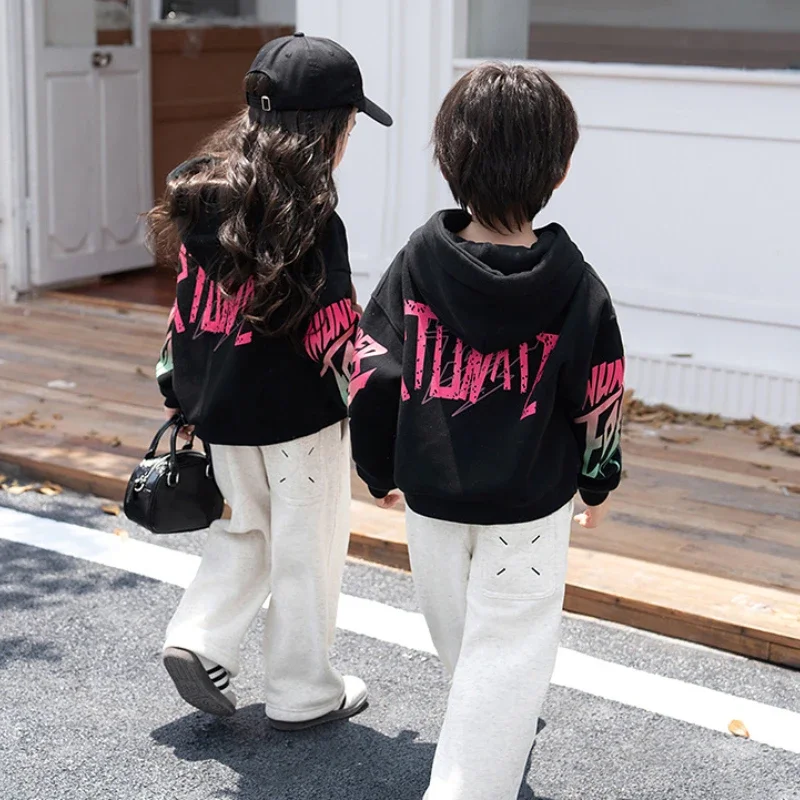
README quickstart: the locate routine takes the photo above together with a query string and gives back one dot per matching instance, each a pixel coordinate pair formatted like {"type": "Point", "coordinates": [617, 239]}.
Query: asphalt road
{"type": "Point", "coordinates": [87, 711]}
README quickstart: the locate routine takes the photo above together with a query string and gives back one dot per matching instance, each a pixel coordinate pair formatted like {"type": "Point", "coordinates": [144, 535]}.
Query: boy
{"type": "Point", "coordinates": [487, 385]}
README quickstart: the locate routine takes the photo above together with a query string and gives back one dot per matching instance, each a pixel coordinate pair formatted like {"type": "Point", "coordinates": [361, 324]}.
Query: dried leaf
{"type": "Point", "coordinates": [678, 438]}
{"type": "Point", "coordinates": [115, 442]}
{"type": "Point", "coordinates": [50, 489]}
{"type": "Point", "coordinates": [796, 428]}
{"type": "Point", "coordinates": [627, 398]}
{"type": "Point", "coordinates": [142, 373]}
{"type": "Point", "coordinates": [29, 420]}
{"type": "Point", "coordinates": [17, 489]}
{"type": "Point", "coordinates": [3, 479]}
{"type": "Point", "coordinates": [112, 509]}
{"type": "Point", "coordinates": [738, 728]}
{"type": "Point", "coordinates": [121, 532]}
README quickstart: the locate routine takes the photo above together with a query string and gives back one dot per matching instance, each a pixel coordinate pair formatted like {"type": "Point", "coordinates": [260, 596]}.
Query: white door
{"type": "Point", "coordinates": [89, 148]}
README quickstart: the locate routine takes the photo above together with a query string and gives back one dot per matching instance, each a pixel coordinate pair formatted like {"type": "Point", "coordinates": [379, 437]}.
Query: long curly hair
{"type": "Point", "coordinates": [269, 178]}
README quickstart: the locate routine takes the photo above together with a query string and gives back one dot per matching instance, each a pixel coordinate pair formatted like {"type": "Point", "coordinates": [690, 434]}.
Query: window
{"type": "Point", "coordinates": [755, 34]}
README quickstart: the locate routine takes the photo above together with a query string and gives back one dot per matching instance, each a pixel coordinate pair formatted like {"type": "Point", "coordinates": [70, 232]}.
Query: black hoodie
{"type": "Point", "coordinates": [239, 387]}
{"type": "Point", "coordinates": [488, 380]}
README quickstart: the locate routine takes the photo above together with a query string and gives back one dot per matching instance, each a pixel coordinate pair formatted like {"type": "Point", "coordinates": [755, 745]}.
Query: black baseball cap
{"type": "Point", "coordinates": [309, 73]}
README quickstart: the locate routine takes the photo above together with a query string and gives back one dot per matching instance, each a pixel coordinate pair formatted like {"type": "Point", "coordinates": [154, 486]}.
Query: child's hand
{"type": "Point", "coordinates": [187, 431]}
{"type": "Point", "coordinates": [390, 501]}
{"type": "Point", "coordinates": [593, 516]}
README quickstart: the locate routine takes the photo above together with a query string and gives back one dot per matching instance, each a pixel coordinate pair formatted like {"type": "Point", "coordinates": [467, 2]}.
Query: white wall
{"type": "Point", "coordinates": [387, 185]}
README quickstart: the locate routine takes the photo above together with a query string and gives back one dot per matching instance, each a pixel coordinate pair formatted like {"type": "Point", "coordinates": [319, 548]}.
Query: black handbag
{"type": "Point", "coordinates": [176, 492]}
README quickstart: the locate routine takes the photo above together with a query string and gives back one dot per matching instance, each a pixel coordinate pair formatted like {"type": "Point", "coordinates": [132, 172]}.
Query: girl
{"type": "Point", "coordinates": [257, 359]}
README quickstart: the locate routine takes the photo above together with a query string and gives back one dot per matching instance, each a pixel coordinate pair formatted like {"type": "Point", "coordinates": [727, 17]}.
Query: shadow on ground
{"type": "Point", "coordinates": [344, 761]}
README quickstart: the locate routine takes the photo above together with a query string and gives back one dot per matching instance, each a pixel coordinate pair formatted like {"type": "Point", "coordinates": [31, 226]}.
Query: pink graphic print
{"type": "Point", "coordinates": [329, 341]}
{"type": "Point", "coordinates": [468, 375]}
{"type": "Point", "coordinates": [366, 347]}
{"type": "Point", "coordinates": [603, 420]}
{"type": "Point", "coordinates": [220, 314]}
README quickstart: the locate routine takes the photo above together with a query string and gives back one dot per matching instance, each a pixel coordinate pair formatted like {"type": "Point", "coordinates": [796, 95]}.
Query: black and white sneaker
{"type": "Point", "coordinates": [355, 701]}
{"type": "Point", "coordinates": [200, 682]}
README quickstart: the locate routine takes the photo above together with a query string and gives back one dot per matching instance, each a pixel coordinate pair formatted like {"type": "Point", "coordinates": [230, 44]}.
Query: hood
{"type": "Point", "coordinates": [493, 296]}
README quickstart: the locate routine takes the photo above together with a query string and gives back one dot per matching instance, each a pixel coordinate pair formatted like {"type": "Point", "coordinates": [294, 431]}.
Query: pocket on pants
{"type": "Point", "coordinates": [520, 562]}
{"type": "Point", "coordinates": [296, 469]}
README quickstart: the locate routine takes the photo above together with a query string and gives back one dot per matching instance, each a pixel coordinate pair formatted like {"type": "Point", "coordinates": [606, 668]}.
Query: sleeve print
{"type": "Point", "coordinates": [164, 367]}
{"type": "Point", "coordinates": [602, 419]}
{"type": "Point", "coordinates": [598, 422]}
{"type": "Point", "coordinates": [329, 341]}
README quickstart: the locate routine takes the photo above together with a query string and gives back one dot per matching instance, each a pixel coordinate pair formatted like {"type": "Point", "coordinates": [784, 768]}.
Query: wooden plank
{"type": "Point", "coordinates": [730, 449]}
{"type": "Point", "coordinates": [139, 388]}
{"type": "Point", "coordinates": [762, 613]}
{"type": "Point", "coordinates": [82, 297]}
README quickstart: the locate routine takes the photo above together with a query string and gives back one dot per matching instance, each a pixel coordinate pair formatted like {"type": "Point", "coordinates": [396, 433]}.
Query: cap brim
{"type": "Point", "coordinates": [376, 113]}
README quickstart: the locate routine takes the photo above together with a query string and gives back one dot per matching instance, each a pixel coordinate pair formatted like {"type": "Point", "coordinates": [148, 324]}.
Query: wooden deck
{"type": "Point", "coordinates": [703, 543]}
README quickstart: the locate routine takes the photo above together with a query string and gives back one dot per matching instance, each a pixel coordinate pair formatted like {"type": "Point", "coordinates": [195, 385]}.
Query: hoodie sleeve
{"type": "Point", "coordinates": [597, 424]}
{"type": "Point", "coordinates": [164, 367]}
{"type": "Point", "coordinates": [375, 392]}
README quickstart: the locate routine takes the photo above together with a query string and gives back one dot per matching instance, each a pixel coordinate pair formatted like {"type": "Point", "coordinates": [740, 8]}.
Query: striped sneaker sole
{"type": "Point", "coordinates": [194, 684]}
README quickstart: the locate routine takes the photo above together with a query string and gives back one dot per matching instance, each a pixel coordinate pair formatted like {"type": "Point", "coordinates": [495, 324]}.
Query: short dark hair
{"type": "Point", "coordinates": [503, 139]}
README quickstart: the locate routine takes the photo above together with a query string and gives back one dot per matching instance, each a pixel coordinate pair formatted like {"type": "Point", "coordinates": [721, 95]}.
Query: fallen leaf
{"type": "Point", "coordinates": [17, 489]}
{"type": "Point", "coordinates": [141, 372]}
{"type": "Point", "coordinates": [737, 728]}
{"type": "Point", "coordinates": [50, 489]}
{"type": "Point", "coordinates": [796, 428]}
{"type": "Point", "coordinates": [58, 416]}
{"type": "Point", "coordinates": [2, 479]}
{"type": "Point", "coordinates": [115, 442]}
{"type": "Point", "coordinates": [111, 509]}
{"type": "Point", "coordinates": [678, 438]}
{"type": "Point", "coordinates": [121, 532]}
{"type": "Point", "coordinates": [29, 420]}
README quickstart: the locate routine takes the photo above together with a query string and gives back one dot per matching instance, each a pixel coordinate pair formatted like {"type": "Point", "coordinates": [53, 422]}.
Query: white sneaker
{"type": "Point", "coordinates": [355, 701]}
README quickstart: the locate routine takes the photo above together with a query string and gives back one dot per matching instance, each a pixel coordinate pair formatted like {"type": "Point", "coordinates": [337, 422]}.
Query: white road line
{"type": "Point", "coordinates": [688, 702]}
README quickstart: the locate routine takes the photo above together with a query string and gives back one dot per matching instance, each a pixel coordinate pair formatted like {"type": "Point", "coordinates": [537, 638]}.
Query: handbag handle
{"type": "Point", "coordinates": [177, 423]}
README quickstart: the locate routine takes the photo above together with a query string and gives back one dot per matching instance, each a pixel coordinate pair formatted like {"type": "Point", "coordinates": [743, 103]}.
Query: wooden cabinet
{"type": "Point", "coordinates": [197, 75]}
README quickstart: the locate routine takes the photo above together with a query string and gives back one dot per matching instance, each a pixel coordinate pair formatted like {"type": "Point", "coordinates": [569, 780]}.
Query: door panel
{"type": "Point", "coordinates": [121, 147]}
{"type": "Point", "coordinates": [69, 137]}
{"type": "Point", "coordinates": [89, 153]}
